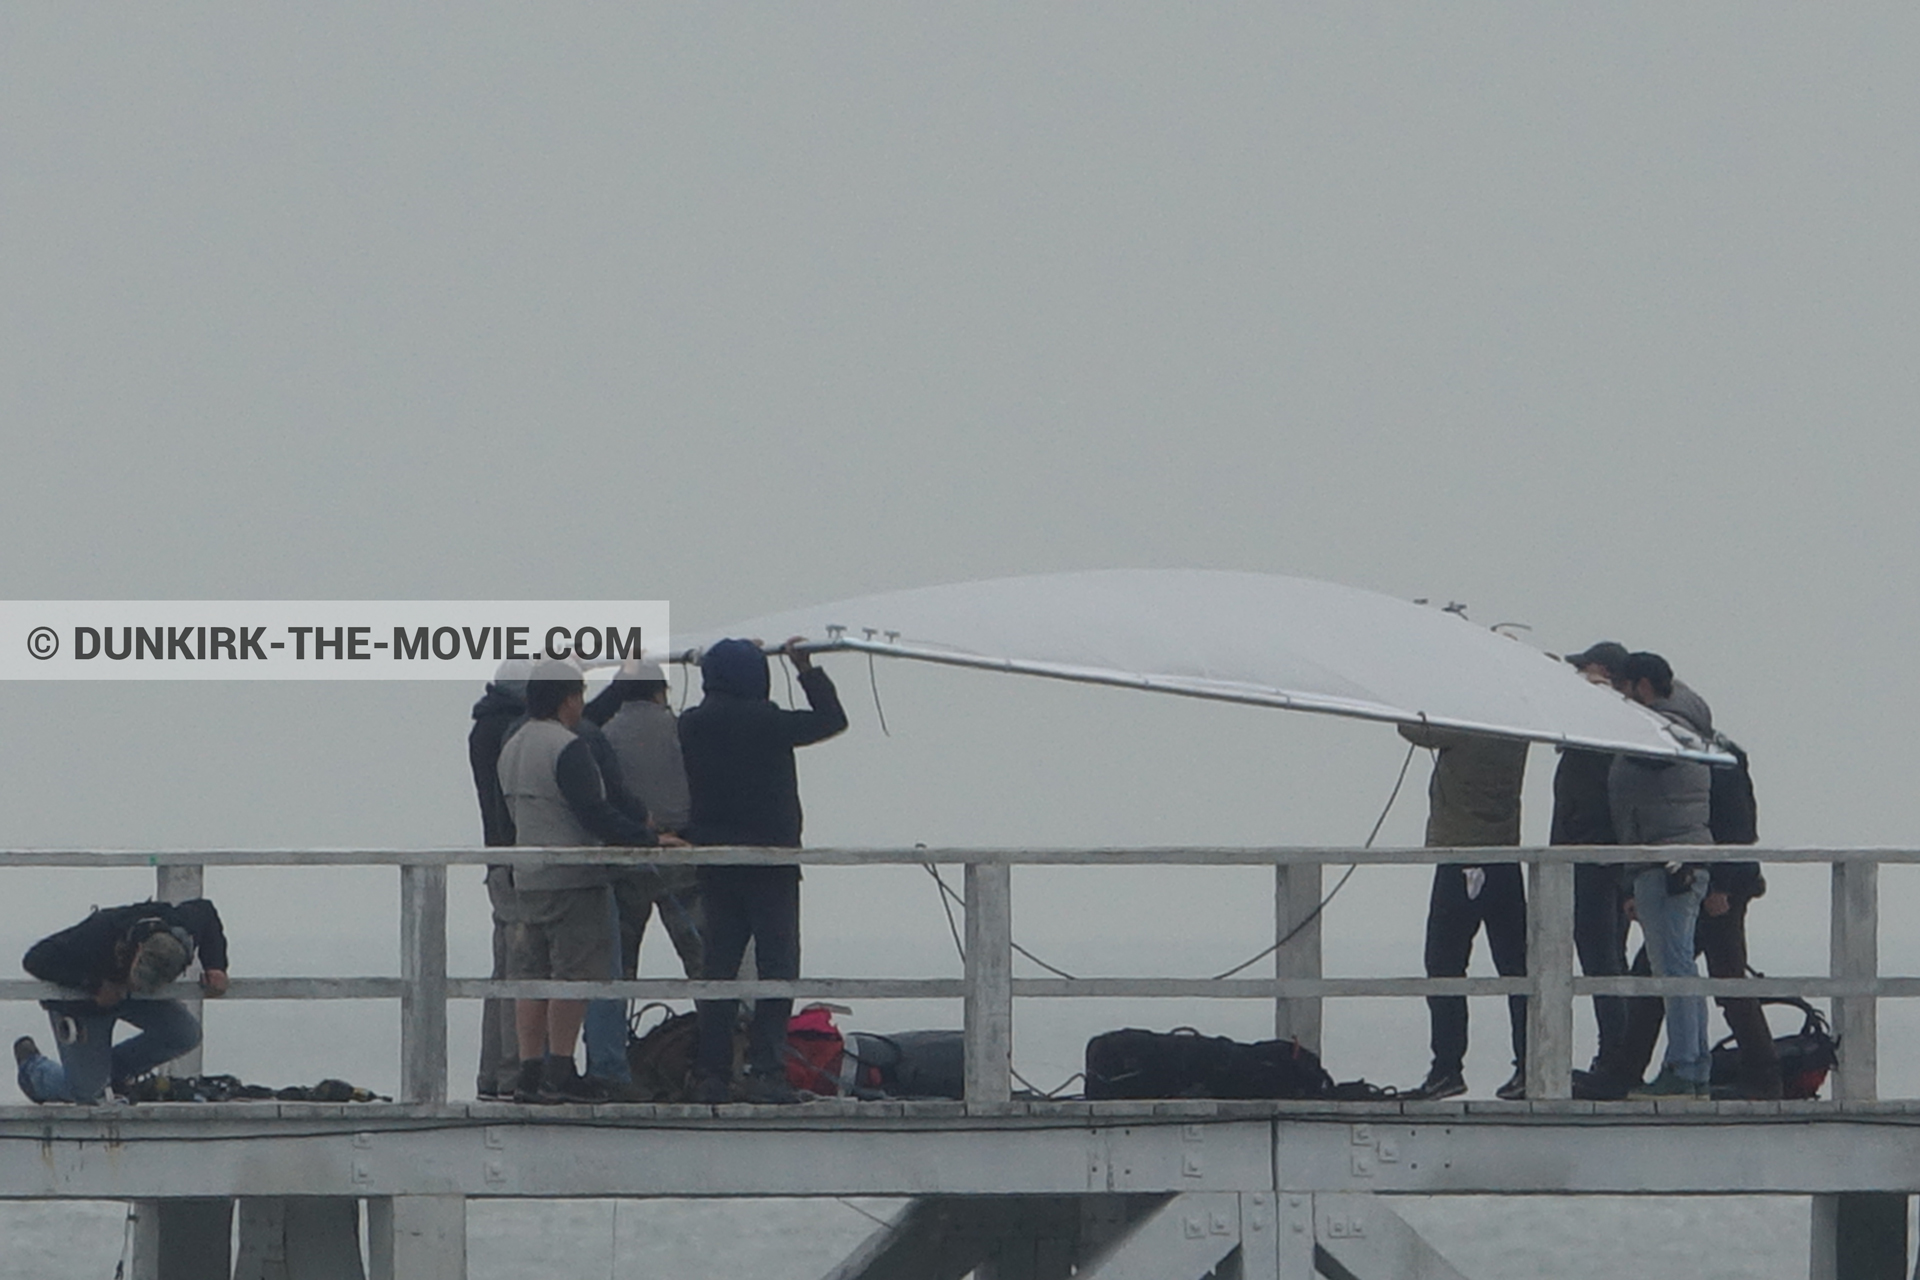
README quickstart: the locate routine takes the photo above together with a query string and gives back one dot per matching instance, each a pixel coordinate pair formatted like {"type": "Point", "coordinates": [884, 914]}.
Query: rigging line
{"type": "Point", "coordinates": [1398, 782]}
{"type": "Point", "coordinates": [947, 893]}
{"type": "Point", "coordinates": [873, 682]}
{"type": "Point", "coordinates": [862, 1212]}
{"type": "Point", "coordinates": [787, 671]}
{"type": "Point", "coordinates": [683, 688]}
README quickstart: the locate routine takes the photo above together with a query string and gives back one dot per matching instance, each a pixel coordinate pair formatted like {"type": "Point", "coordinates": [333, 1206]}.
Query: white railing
{"type": "Point", "coordinates": [988, 987]}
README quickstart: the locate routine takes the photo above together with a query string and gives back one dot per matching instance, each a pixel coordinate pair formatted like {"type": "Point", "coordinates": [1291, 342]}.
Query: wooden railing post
{"type": "Point", "coordinates": [423, 966]}
{"type": "Point", "coordinates": [989, 978]}
{"type": "Point", "coordinates": [1550, 969]}
{"type": "Point", "coordinates": [182, 884]}
{"type": "Point", "coordinates": [1296, 906]}
{"type": "Point", "coordinates": [1854, 948]}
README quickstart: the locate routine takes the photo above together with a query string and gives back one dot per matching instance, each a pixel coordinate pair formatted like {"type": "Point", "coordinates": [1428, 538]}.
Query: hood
{"type": "Point", "coordinates": [736, 668]}
{"type": "Point", "coordinates": [500, 700]}
{"type": "Point", "coordinates": [1688, 706]}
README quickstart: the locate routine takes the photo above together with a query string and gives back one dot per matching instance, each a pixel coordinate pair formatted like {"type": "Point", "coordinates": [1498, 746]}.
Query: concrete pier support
{"type": "Point", "coordinates": [417, 1237]}
{"type": "Point", "coordinates": [299, 1238]}
{"type": "Point", "coordinates": [188, 1239]}
{"type": "Point", "coordinates": [1859, 1236]}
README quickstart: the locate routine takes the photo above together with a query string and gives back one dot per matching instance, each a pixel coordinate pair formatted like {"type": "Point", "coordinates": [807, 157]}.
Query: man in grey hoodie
{"type": "Point", "coordinates": [1668, 802]}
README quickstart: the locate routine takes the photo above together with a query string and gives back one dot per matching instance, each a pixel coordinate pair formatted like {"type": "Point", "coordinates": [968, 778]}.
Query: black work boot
{"type": "Point", "coordinates": [531, 1087]}
{"type": "Point", "coordinates": [767, 1088]}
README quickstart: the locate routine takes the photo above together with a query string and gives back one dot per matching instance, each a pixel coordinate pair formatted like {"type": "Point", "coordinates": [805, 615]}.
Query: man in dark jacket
{"type": "Point", "coordinates": [1473, 801]}
{"type": "Point", "coordinates": [744, 790]}
{"type": "Point", "coordinates": [500, 709]}
{"type": "Point", "coordinates": [1581, 816]}
{"type": "Point", "coordinates": [111, 956]}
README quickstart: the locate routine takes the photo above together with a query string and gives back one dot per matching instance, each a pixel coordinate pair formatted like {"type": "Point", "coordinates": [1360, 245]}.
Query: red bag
{"type": "Point", "coordinates": [814, 1046]}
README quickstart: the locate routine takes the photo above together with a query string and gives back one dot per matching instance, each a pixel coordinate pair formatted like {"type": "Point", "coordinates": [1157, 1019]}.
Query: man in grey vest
{"type": "Point", "coordinates": [558, 799]}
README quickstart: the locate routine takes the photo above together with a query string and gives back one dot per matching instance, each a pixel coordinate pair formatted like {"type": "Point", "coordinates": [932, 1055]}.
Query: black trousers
{"type": "Point", "coordinates": [1600, 940]}
{"type": "Point", "coordinates": [742, 903]}
{"type": "Point", "coordinates": [1452, 921]}
{"type": "Point", "coordinates": [1722, 940]}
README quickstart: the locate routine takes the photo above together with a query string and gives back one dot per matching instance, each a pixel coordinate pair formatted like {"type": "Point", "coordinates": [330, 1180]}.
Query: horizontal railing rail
{"type": "Point", "coordinates": [987, 986]}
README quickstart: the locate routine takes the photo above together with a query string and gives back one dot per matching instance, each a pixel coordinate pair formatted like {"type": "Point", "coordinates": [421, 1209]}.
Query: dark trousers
{"type": "Point", "coordinates": [1600, 939]}
{"type": "Point", "coordinates": [741, 903]}
{"type": "Point", "coordinates": [1452, 921]}
{"type": "Point", "coordinates": [1722, 940]}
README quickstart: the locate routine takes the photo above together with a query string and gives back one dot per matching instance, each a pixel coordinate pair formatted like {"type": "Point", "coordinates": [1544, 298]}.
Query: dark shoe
{"type": "Point", "coordinates": [1515, 1089]}
{"type": "Point", "coordinates": [619, 1090]}
{"type": "Point", "coordinates": [25, 1051]}
{"type": "Point", "coordinates": [531, 1088]}
{"type": "Point", "coordinates": [1668, 1085]}
{"type": "Point", "coordinates": [767, 1089]}
{"type": "Point", "coordinates": [1601, 1086]}
{"type": "Point", "coordinates": [1438, 1085]}
{"type": "Point", "coordinates": [711, 1091]}
{"type": "Point", "coordinates": [566, 1084]}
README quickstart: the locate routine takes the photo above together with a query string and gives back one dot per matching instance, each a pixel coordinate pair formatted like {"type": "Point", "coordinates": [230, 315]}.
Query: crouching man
{"type": "Point", "coordinates": [107, 960]}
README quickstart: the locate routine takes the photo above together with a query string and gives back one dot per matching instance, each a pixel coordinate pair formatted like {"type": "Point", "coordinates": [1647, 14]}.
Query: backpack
{"type": "Point", "coordinates": [662, 1060]}
{"type": "Point", "coordinates": [1805, 1057]}
{"type": "Point", "coordinates": [814, 1050]}
{"type": "Point", "coordinates": [1185, 1064]}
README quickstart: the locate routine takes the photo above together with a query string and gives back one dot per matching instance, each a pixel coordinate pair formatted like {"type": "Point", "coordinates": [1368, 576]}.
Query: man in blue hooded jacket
{"type": "Point", "coordinates": [744, 790]}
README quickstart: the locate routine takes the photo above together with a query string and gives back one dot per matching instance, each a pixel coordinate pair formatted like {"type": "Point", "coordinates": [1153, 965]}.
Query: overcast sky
{"type": "Point", "coordinates": [1602, 320]}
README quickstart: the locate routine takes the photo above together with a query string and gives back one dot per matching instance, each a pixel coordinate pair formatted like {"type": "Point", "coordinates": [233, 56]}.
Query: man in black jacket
{"type": "Point", "coordinates": [1581, 815]}
{"type": "Point", "coordinates": [499, 710]}
{"type": "Point", "coordinates": [744, 790]}
{"type": "Point", "coordinates": [112, 955]}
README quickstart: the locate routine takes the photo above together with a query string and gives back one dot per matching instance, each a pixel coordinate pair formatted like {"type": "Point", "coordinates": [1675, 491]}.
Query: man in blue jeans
{"type": "Point", "coordinates": [1668, 802]}
{"type": "Point", "coordinates": [114, 961]}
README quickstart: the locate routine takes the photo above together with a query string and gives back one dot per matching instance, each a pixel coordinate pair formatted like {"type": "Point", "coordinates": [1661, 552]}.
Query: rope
{"type": "Point", "coordinates": [1314, 914]}
{"type": "Point", "coordinates": [873, 682]}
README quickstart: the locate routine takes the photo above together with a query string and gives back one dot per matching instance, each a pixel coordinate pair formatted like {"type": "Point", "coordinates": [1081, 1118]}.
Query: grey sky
{"type": "Point", "coordinates": [1598, 319]}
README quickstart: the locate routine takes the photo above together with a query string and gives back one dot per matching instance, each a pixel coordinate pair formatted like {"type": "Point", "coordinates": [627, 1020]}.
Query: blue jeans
{"type": "Point", "coordinates": [90, 1061]}
{"type": "Point", "coordinates": [1666, 921]}
{"type": "Point", "coordinates": [605, 1028]}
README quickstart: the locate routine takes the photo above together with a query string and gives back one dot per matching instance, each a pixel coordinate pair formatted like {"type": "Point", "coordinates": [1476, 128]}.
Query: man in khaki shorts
{"type": "Point", "coordinates": [564, 932]}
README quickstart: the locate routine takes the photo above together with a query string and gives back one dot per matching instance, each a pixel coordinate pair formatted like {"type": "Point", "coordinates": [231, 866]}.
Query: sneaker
{"type": "Point", "coordinates": [767, 1089]}
{"type": "Point", "coordinates": [711, 1091]}
{"type": "Point", "coordinates": [1668, 1084]}
{"type": "Point", "coordinates": [1515, 1089]}
{"type": "Point", "coordinates": [1438, 1085]}
{"type": "Point", "coordinates": [25, 1051]}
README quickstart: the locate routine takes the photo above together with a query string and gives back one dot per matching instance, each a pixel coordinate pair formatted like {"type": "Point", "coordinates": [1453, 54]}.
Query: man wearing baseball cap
{"type": "Point", "coordinates": [1581, 816]}
{"type": "Point", "coordinates": [559, 799]}
{"type": "Point", "coordinates": [113, 962]}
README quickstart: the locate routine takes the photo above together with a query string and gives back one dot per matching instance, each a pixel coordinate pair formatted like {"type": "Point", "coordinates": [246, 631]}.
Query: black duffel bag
{"type": "Point", "coordinates": [1185, 1064]}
